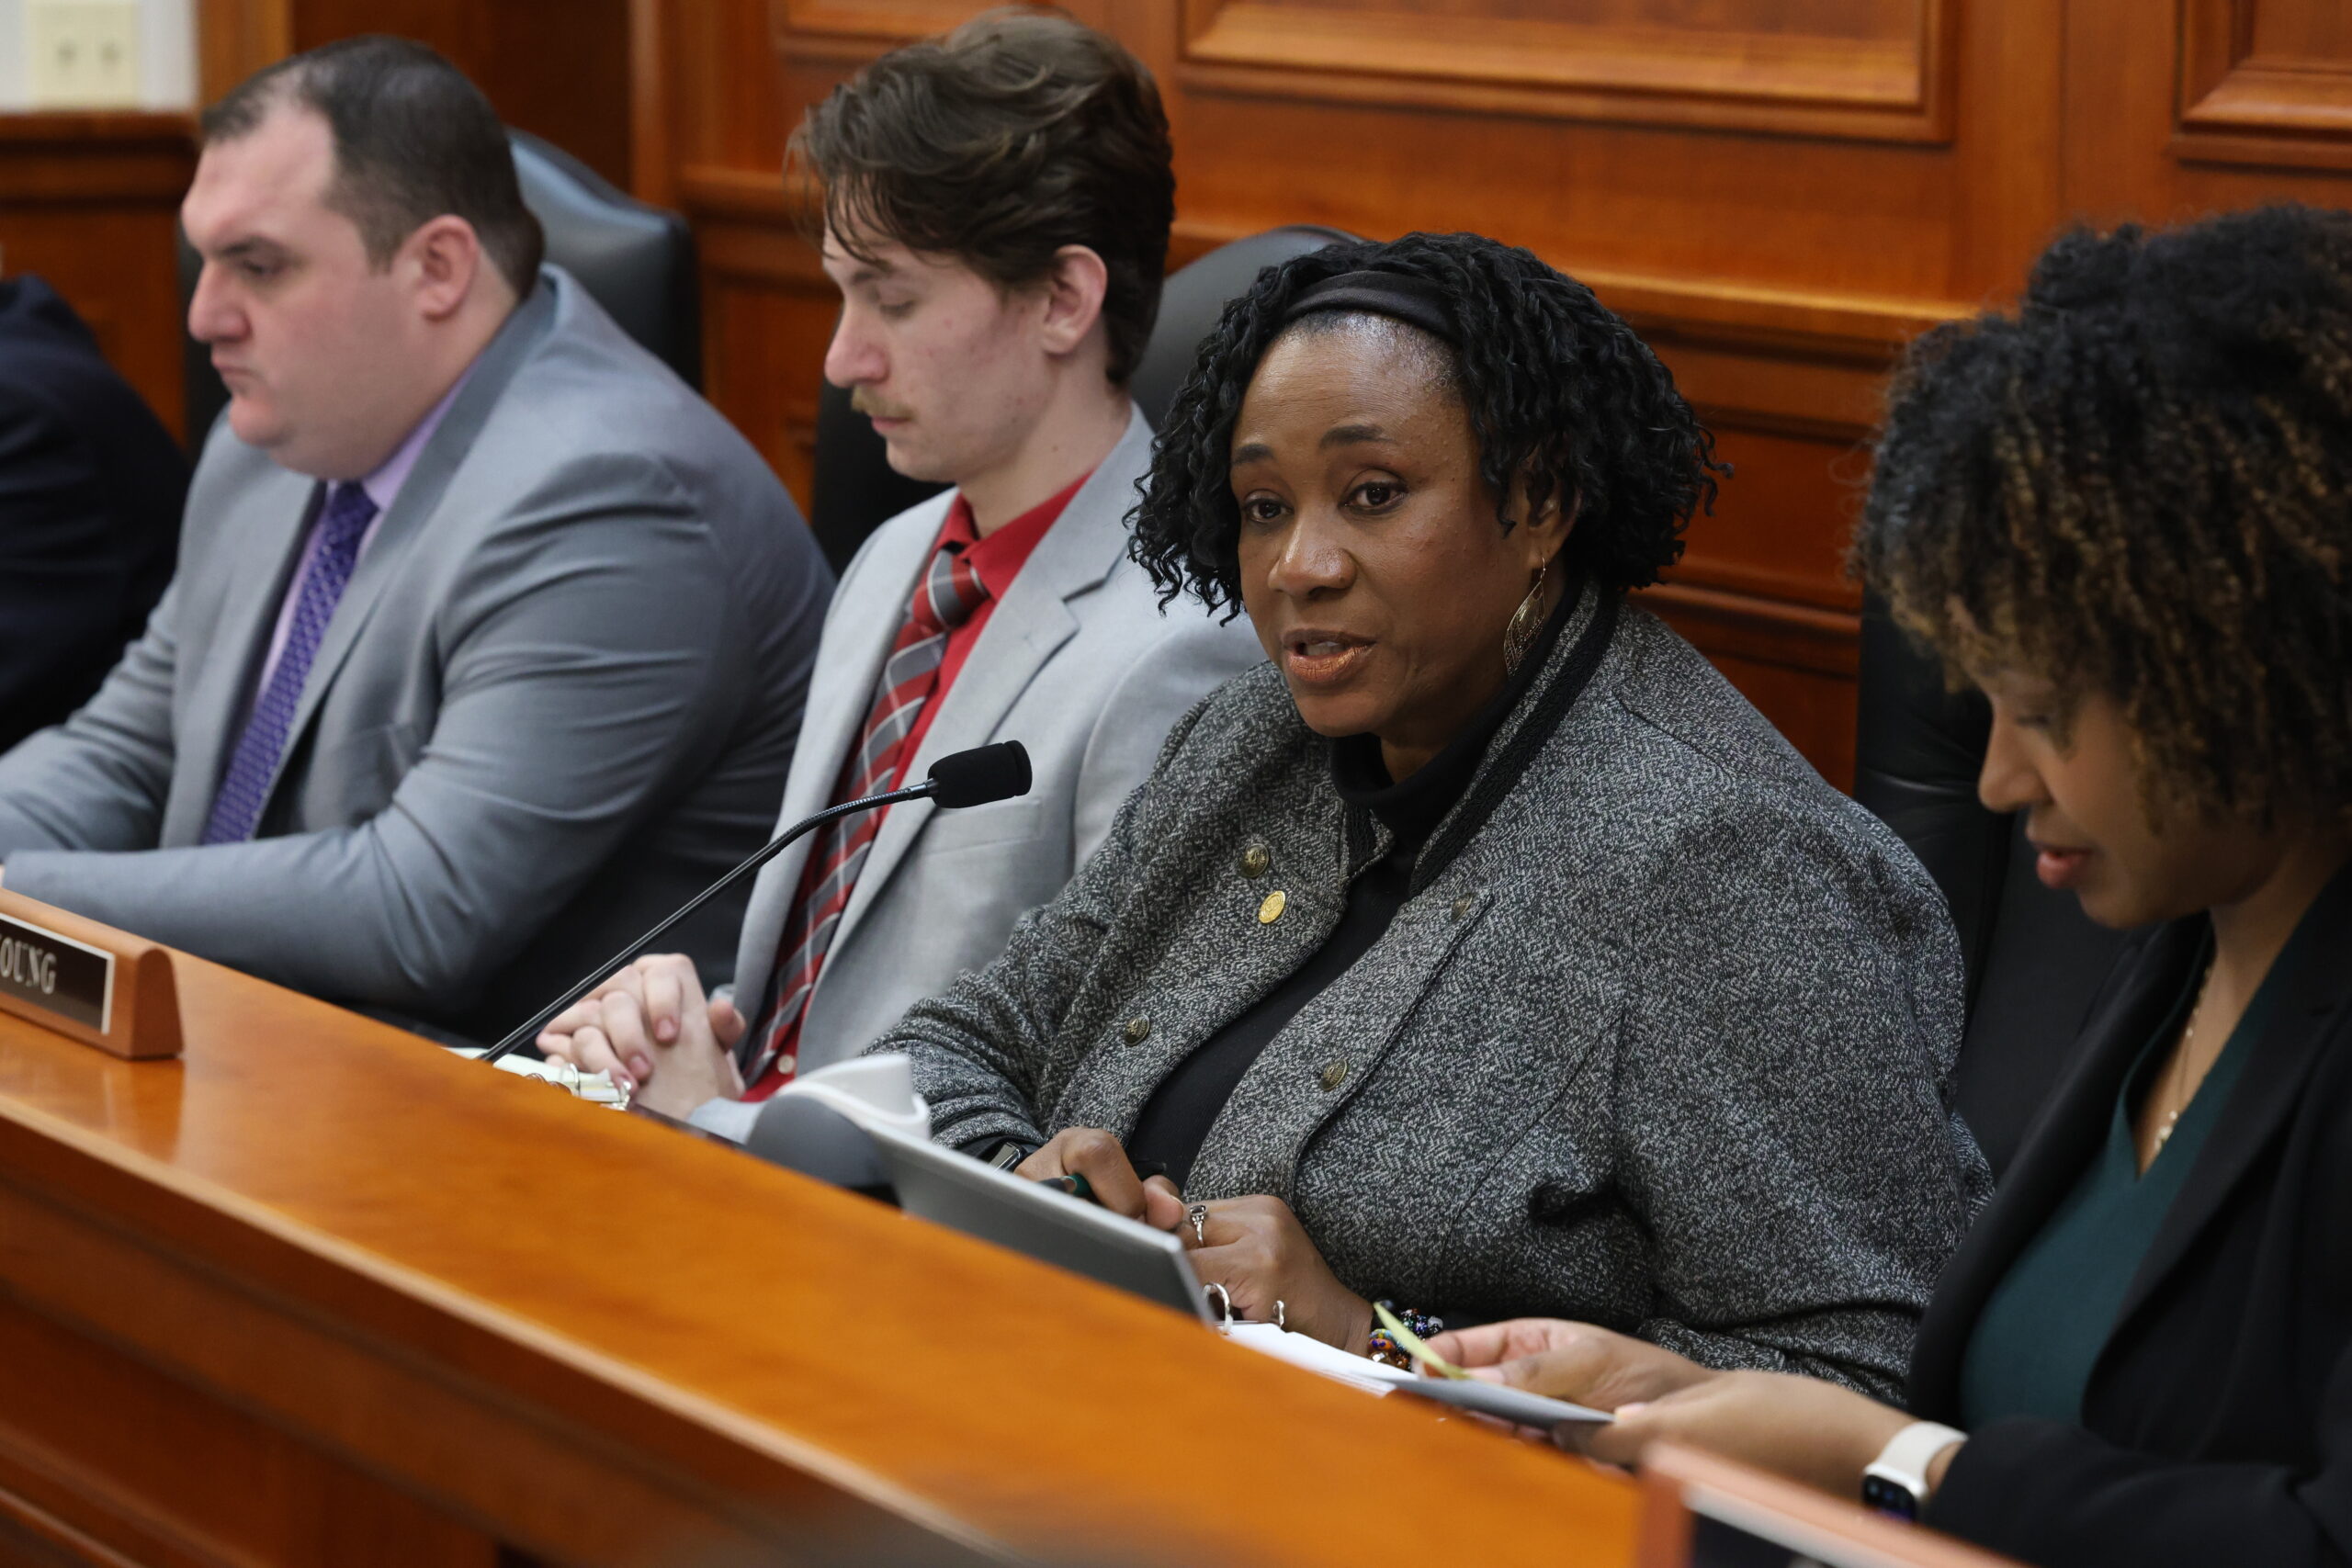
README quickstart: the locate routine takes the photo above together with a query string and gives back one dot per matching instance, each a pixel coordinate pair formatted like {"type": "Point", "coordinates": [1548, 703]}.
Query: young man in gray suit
{"type": "Point", "coordinates": [997, 205]}
{"type": "Point", "coordinates": [488, 640]}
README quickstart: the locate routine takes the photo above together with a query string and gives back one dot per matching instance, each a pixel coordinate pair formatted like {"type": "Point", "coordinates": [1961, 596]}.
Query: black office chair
{"type": "Point", "coordinates": [857, 490]}
{"type": "Point", "coordinates": [635, 261]}
{"type": "Point", "coordinates": [1196, 295]}
{"type": "Point", "coordinates": [2034, 960]}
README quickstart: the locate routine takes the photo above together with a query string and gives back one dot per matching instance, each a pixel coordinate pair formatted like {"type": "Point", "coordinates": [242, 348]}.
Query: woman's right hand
{"type": "Point", "coordinates": [1574, 1362]}
{"type": "Point", "coordinates": [1095, 1155]}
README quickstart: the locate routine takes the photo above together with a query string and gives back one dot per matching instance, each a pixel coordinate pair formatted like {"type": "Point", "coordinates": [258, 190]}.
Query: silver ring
{"type": "Point", "coordinates": [1281, 1317]}
{"type": "Point", "coordinates": [1224, 1299]}
{"type": "Point", "coordinates": [1198, 1214]}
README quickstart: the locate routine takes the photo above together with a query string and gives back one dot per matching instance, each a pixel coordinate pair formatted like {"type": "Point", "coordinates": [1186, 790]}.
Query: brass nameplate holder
{"type": "Point", "coordinates": [92, 983]}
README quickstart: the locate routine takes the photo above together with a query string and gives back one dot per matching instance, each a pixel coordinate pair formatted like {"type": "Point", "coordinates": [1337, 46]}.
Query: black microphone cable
{"type": "Point", "coordinates": [976, 777]}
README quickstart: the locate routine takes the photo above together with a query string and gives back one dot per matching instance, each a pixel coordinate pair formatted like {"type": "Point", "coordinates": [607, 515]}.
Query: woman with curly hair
{"type": "Point", "coordinates": [2122, 513]}
{"type": "Point", "coordinates": [1483, 951]}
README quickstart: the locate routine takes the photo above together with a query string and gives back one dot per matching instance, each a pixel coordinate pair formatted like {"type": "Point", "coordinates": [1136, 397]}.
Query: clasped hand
{"type": "Point", "coordinates": [664, 1043]}
{"type": "Point", "coordinates": [1255, 1248]}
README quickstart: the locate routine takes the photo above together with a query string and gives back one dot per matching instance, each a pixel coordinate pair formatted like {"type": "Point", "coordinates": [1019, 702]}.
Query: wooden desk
{"type": "Point", "coordinates": [320, 1293]}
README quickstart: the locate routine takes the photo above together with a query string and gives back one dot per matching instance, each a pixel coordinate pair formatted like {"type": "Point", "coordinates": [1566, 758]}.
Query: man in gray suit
{"type": "Point", "coordinates": [993, 307]}
{"type": "Point", "coordinates": [488, 640]}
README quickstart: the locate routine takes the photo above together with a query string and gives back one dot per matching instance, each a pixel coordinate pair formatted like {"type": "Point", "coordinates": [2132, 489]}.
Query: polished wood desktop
{"type": "Point", "coordinates": [319, 1292]}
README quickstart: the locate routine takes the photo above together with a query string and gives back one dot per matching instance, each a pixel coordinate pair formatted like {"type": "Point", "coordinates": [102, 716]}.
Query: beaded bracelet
{"type": "Point", "coordinates": [1384, 1347]}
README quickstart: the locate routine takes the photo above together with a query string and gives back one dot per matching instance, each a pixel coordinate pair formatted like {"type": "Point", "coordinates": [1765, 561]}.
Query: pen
{"type": "Point", "coordinates": [1079, 1187]}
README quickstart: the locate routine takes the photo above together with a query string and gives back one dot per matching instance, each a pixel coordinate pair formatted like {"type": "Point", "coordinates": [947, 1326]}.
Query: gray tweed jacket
{"type": "Point", "coordinates": [1665, 1046]}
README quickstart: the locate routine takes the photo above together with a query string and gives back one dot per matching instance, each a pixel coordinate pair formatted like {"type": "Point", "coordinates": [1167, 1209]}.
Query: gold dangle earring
{"type": "Point", "coordinates": [1525, 622]}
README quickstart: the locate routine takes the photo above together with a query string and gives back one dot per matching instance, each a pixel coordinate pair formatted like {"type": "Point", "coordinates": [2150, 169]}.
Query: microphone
{"type": "Point", "coordinates": [958, 780]}
{"type": "Point", "coordinates": [979, 775]}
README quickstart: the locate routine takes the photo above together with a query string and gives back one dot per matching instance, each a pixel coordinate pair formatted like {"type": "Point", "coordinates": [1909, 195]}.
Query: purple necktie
{"type": "Point", "coordinates": [245, 788]}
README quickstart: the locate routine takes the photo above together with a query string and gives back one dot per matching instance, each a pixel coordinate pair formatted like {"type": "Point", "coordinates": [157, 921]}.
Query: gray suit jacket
{"type": "Point", "coordinates": [559, 694]}
{"type": "Point", "coordinates": [1077, 662]}
{"type": "Point", "coordinates": [1665, 1046]}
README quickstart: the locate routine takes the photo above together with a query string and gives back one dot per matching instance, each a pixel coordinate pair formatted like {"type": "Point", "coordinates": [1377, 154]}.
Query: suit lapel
{"type": "Point", "coordinates": [2049, 1160]}
{"type": "Point", "coordinates": [1033, 620]}
{"type": "Point", "coordinates": [419, 498]}
{"type": "Point", "coordinates": [2266, 1094]}
{"type": "Point", "coordinates": [280, 507]}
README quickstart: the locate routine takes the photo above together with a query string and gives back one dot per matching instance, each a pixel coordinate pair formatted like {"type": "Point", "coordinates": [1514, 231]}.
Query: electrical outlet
{"type": "Point", "coordinates": [83, 53]}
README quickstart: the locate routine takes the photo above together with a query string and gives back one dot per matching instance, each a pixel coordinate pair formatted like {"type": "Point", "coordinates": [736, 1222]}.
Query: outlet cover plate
{"type": "Point", "coordinates": [83, 53]}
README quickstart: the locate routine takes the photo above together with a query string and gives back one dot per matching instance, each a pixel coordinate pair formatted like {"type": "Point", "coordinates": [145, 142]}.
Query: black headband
{"type": "Point", "coordinates": [1399, 296]}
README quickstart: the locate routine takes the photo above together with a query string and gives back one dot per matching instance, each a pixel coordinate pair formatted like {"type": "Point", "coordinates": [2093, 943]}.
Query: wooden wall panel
{"type": "Point", "coordinates": [560, 69]}
{"type": "Point", "coordinates": [556, 68]}
{"type": "Point", "coordinates": [2264, 81]}
{"type": "Point", "coordinates": [2231, 103]}
{"type": "Point", "coordinates": [1779, 193]}
{"type": "Point", "coordinates": [1868, 69]}
{"type": "Point", "coordinates": [91, 203]}
{"type": "Point", "coordinates": [764, 301]}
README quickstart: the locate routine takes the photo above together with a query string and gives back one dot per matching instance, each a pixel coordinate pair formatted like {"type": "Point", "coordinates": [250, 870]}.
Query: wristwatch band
{"type": "Point", "coordinates": [1896, 1482]}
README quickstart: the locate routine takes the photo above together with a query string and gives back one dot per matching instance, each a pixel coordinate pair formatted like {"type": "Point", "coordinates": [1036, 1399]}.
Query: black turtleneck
{"type": "Point", "coordinates": [1175, 1121]}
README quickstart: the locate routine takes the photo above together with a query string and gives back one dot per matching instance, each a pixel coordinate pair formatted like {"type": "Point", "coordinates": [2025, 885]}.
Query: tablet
{"type": "Point", "coordinates": [1030, 1217]}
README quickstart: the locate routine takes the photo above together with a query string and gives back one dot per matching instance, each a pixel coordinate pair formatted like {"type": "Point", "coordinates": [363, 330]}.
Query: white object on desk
{"type": "Point", "coordinates": [1377, 1377]}
{"type": "Point", "coordinates": [597, 1088]}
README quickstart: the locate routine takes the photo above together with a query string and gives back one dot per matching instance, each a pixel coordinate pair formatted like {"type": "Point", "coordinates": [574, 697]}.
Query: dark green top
{"type": "Point", "coordinates": [2046, 1322]}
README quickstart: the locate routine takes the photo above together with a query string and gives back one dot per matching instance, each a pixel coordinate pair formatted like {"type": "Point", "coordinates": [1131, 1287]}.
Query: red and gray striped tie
{"type": "Point", "coordinates": [946, 597]}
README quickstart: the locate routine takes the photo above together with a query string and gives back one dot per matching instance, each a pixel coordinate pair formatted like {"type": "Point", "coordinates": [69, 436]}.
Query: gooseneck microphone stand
{"type": "Point", "coordinates": [527, 1032]}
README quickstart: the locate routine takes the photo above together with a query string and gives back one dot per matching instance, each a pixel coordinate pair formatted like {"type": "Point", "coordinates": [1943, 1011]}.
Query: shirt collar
{"type": "Point", "coordinates": [997, 559]}
{"type": "Point", "coordinates": [383, 486]}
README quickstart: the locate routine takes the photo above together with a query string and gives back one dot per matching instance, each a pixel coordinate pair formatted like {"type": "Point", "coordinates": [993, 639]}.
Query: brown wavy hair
{"type": "Point", "coordinates": [999, 143]}
{"type": "Point", "coordinates": [2141, 484]}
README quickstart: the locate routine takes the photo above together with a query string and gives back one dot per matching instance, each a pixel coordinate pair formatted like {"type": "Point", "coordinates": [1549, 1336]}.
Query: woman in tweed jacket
{"type": "Point", "coordinates": [1656, 1031]}
{"type": "Point", "coordinates": [1486, 950]}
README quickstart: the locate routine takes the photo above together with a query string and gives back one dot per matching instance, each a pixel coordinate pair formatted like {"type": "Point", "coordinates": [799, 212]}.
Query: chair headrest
{"type": "Point", "coordinates": [635, 261]}
{"type": "Point", "coordinates": [1195, 295]}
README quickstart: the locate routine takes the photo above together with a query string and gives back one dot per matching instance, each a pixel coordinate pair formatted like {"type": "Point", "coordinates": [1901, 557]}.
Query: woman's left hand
{"type": "Point", "coordinates": [1798, 1426]}
{"type": "Point", "coordinates": [1256, 1248]}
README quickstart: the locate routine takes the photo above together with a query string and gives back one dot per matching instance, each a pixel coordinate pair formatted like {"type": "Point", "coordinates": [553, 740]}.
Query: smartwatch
{"type": "Point", "coordinates": [1896, 1482]}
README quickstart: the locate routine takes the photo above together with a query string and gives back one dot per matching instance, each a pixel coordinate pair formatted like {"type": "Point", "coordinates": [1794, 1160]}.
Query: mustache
{"type": "Point", "coordinates": [875, 407]}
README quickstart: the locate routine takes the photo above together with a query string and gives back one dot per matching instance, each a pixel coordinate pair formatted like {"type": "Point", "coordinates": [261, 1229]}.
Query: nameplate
{"type": "Point", "coordinates": [87, 981]}
{"type": "Point", "coordinates": [54, 973]}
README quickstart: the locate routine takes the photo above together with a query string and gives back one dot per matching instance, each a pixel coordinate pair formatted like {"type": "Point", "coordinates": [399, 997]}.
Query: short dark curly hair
{"type": "Point", "coordinates": [1562, 397]}
{"type": "Point", "coordinates": [2138, 485]}
{"type": "Point", "coordinates": [1020, 133]}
